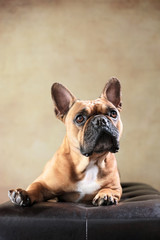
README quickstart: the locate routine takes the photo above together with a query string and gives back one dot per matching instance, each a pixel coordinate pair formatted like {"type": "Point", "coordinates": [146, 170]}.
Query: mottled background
{"type": "Point", "coordinates": [80, 44]}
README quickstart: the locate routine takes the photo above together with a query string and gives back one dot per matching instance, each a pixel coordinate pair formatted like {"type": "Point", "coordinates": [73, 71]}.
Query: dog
{"type": "Point", "coordinates": [84, 168]}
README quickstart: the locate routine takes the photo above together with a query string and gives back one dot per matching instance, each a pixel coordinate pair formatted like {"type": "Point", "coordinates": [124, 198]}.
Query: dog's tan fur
{"type": "Point", "coordinates": [69, 175]}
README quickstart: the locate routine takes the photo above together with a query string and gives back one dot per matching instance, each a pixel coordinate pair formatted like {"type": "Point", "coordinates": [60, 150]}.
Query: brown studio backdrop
{"type": "Point", "coordinates": [80, 44]}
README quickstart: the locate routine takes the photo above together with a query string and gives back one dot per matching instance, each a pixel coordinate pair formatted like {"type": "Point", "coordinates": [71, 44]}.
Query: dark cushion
{"type": "Point", "coordinates": [137, 216]}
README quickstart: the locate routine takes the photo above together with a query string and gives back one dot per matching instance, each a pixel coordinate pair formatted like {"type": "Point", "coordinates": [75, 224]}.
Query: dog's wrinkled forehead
{"type": "Point", "coordinates": [92, 103]}
{"type": "Point", "coordinates": [98, 106]}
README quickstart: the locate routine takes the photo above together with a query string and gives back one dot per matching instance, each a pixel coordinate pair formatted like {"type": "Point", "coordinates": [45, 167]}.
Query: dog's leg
{"type": "Point", "coordinates": [36, 192]}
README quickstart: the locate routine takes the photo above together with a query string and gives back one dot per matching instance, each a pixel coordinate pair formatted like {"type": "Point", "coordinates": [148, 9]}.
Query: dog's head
{"type": "Point", "coordinates": [92, 126]}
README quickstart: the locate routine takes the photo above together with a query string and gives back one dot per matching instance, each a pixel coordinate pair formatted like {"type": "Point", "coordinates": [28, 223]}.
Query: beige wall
{"type": "Point", "coordinates": [80, 44]}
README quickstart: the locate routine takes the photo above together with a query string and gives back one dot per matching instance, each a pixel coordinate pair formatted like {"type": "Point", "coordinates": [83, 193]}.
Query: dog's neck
{"type": "Point", "coordinates": [70, 153]}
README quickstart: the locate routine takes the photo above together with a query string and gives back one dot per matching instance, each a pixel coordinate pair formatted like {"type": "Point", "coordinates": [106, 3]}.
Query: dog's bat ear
{"type": "Point", "coordinates": [63, 100]}
{"type": "Point", "coordinates": [112, 92]}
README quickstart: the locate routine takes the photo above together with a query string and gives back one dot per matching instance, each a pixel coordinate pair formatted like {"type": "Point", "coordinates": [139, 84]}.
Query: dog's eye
{"type": "Point", "coordinates": [79, 119]}
{"type": "Point", "coordinates": [113, 114]}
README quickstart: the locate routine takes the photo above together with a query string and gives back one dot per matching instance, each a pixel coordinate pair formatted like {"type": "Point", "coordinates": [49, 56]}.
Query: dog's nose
{"type": "Point", "coordinates": [100, 121]}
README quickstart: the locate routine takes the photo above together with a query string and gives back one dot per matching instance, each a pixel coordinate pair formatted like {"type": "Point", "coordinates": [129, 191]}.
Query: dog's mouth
{"type": "Point", "coordinates": [105, 142]}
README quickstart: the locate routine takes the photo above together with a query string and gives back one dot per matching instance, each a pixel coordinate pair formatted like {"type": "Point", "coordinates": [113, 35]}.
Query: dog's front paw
{"type": "Point", "coordinates": [19, 197]}
{"type": "Point", "coordinates": [105, 198]}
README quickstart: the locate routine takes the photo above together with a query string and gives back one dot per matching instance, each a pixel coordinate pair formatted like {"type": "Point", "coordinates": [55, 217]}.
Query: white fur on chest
{"type": "Point", "coordinates": [89, 183]}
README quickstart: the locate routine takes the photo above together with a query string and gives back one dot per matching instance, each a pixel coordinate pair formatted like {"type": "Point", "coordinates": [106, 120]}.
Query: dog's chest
{"type": "Point", "coordinates": [89, 183]}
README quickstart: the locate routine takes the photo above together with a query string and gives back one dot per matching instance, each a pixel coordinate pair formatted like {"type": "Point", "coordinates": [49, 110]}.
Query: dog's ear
{"type": "Point", "coordinates": [112, 92]}
{"type": "Point", "coordinates": [62, 99]}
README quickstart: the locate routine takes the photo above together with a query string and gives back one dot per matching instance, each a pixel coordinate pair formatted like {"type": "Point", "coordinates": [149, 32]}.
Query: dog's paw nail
{"type": "Point", "coordinates": [110, 200]}
{"type": "Point", "coordinates": [105, 197]}
{"type": "Point", "coordinates": [94, 202]}
{"type": "Point", "coordinates": [101, 201]}
{"type": "Point", "coordinates": [9, 193]}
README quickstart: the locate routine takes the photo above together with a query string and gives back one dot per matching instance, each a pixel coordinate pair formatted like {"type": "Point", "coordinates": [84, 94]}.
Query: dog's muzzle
{"type": "Point", "coordinates": [100, 136]}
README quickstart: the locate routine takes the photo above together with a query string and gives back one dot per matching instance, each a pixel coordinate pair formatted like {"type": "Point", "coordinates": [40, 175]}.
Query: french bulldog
{"type": "Point", "coordinates": [84, 168]}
